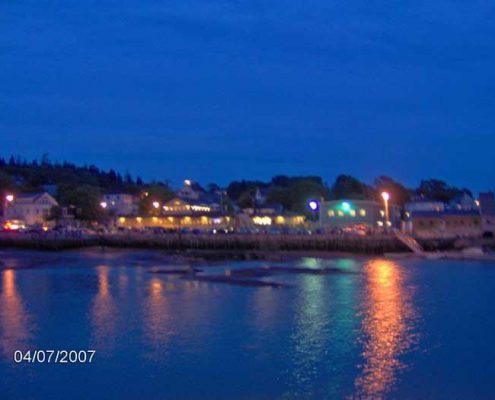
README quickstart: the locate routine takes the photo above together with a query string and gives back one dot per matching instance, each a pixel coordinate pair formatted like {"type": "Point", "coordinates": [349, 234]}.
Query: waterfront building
{"type": "Point", "coordinates": [30, 209]}
{"type": "Point", "coordinates": [463, 201]}
{"type": "Point", "coordinates": [445, 224]}
{"type": "Point", "coordinates": [265, 209]}
{"type": "Point", "coordinates": [348, 214]}
{"type": "Point", "coordinates": [424, 204]}
{"type": "Point", "coordinates": [189, 191]}
{"type": "Point", "coordinates": [183, 213]}
{"type": "Point", "coordinates": [121, 204]}
{"type": "Point", "coordinates": [199, 221]}
{"type": "Point", "coordinates": [487, 212]}
{"type": "Point", "coordinates": [189, 206]}
{"type": "Point", "coordinates": [277, 220]}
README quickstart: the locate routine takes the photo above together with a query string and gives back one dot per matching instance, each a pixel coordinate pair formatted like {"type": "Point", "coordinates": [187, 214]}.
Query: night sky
{"type": "Point", "coordinates": [222, 90]}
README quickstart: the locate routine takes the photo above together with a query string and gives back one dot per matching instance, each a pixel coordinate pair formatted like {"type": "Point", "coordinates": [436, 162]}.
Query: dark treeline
{"type": "Point", "coordinates": [31, 176]}
{"type": "Point", "coordinates": [80, 187]}
{"type": "Point", "coordinates": [83, 186]}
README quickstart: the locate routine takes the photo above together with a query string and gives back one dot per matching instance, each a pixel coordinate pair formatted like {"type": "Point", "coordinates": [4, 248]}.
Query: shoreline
{"type": "Point", "coordinates": [233, 247]}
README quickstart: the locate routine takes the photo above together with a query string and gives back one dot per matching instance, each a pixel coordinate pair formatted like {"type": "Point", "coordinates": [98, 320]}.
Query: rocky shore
{"type": "Point", "coordinates": [226, 246]}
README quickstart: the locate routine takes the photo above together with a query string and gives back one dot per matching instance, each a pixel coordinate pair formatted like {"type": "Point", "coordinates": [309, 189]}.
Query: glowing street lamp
{"type": "Point", "coordinates": [9, 198]}
{"type": "Point", "coordinates": [313, 205]}
{"type": "Point", "coordinates": [156, 204]}
{"type": "Point", "coordinates": [103, 204]}
{"type": "Point", "coordinates": [386, 198]}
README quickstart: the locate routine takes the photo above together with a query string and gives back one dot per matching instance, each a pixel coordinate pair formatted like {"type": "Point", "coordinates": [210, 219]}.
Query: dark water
{"type": "Point", "coordinates": [410, 329]}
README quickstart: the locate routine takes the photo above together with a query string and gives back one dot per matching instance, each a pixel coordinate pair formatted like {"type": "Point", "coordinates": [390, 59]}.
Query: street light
{"type": "Point", "coordinates": [314, 206]}
{"type": "Point", "coordinates": [386, 198]}
{"type": "Point", "coordinates": [9, 198]}
{"type": "Point", "coordinates": [156, 204]}
{"type": "Point", "coordinates": [103, 204]}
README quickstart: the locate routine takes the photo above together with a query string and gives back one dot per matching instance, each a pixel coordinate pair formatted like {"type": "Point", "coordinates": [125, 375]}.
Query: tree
{"type": "Point", "coordinates": [55, 213]}
{"type": "Point", "coordinates": [160, 193]}
{"type": "Point", "coordinates": [348, 187]}
{"type": "Point", "coordinates": [212, 188]}
{"type": "Point", "coordinates": [86, 200]}
{"type": "Point", "coordinates": [436, 189]}
{"type": "Point", "coordinates": [6, 182]}
{"type": "Point", "coordinates": [238, 188]}
{"type": "Point", "coordinates": [399, 194]}
{"type": "Point", "coordinates": [246, 199]}
{"type": "Point", "coordinates": [293, 193]}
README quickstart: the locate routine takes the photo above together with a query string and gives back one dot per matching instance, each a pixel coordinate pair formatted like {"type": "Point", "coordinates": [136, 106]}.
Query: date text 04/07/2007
{"type": "Point", "coordinates": [54, 356]}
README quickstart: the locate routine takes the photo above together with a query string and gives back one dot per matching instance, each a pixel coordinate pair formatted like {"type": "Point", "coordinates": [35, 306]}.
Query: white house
{"type": "Point", "coordinates": [31, 209]}
{"type": "Point", "coordinates": [188, 192]}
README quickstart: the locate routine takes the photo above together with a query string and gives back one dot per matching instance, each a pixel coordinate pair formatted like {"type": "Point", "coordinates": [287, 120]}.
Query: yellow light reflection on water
{"type": "Point", "coordinates": [15, 323]}
{"type": "Point", "coordinates": [158, 326]}
{"type": "Point", "coordinates": [388, 323]}
{"type": "Point", "coordinates": [104, 311]}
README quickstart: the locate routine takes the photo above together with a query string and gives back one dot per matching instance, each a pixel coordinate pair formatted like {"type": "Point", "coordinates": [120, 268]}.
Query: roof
{"type": "Point", "coordinates": [193, 202]}
{"type": "Point", "coordinates": [487, 203]}
{"type": "Point", "coordinates": [30, 196]}
{"type": "Point", "coordinates": [33, 197]}
{"type": "Point", "coordinates": [424, 200]}
{"type": "Point", "coordinates": [446, 213]}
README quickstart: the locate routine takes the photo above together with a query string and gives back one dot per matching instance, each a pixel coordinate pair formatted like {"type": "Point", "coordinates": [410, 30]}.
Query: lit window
{"type": "Point", "coordinates": [331, 213]}
{"type": "Point", "coordinates": [340, 213]}
{"type": "Point", "coordinates": [352, 213]}
{"type": "Point", "coordinates": [262, 220]}
{"type": "Point", "coordinates": [362, 212]}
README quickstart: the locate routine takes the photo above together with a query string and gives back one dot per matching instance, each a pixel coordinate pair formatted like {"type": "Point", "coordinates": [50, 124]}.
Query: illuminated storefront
{"type": "Point", "coordinates": [341, 214]}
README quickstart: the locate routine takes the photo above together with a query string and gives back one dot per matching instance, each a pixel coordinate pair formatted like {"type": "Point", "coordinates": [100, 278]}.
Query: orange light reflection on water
{"type": "Point", "coordinates": [103, 311]}
{"type": "Point", "coordinates": [14, 320]}
{"type": "Point", "coordinates": [388, 324]}
{"type": "Point", "coordinates": [157, 319]}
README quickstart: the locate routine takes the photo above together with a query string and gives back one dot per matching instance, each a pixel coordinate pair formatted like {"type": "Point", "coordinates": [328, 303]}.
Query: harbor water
{"type": "Point", "coordinates": [369, 328]}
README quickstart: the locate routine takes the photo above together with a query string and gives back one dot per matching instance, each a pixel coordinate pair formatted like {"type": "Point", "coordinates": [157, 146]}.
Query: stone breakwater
{"type": "Point", "coordinates": [224, 246]}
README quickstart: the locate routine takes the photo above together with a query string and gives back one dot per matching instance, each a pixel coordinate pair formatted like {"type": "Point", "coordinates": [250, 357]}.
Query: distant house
{"type": "Point", "coordinates": [188, 206]}
{"type": "Point", "coordinates": [183, 213]}
{"type": "Point", "coordinates": [423, 204]}
{"type": "Point", "coordinates": [487, 212]}
{"type": "Point", "coordinates": [278, 220]}
{"type": "Point", "coordinates": [341, 214]}
{"type": "Point", "coordinates": [121, 204]}
{"type": "Point", "coordinates": [31, 209]}
{"type": "Point", "coordinates": [445, 224]}
{"type": "Point", "coordinates": [188, 191]}
{"type": "Point", "coordinates": [265, 209]}
{"type": "Point", "coordinates": [463, 201]}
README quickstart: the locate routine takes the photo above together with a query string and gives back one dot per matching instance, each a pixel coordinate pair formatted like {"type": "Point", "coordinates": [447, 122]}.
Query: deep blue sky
{"type": "Point", "coordinates": [220, 90]}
